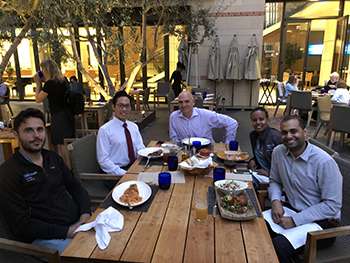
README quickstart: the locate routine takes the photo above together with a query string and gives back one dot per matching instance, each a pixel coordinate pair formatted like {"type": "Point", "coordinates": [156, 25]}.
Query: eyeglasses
{"type": "Point", "coordinates": [123, 106]}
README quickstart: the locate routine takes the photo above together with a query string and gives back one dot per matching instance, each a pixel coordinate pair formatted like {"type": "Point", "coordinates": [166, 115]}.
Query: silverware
{"type": "Point", "coordinates": [147, 163]}
{"type": "Point", "coordinates": [129, 206]}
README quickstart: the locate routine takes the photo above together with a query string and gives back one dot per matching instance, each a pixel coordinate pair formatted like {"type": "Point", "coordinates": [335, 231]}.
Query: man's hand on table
{"type": "Point", "coordinates": [286, 222]}
{"type": "Point", "coordinates": [277, 211]}
{"type": "Point", "coordinates": [82, 220]}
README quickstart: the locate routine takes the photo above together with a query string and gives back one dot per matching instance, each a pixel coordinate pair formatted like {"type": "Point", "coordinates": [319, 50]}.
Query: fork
{"type": "Point", "coordinates": [147, 163]}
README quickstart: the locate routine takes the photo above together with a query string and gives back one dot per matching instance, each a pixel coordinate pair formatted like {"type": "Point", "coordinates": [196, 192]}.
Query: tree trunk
{"type": "Point", "coordinates": [80, 65]}
{"type": "Point", "coordinates": [13, 47]}
{"type": "Point", "coordinates": [100, 63]}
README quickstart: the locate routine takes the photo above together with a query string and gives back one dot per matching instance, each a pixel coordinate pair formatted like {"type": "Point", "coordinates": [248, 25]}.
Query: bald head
{"type": "Point", "coordinates": [186, 103]}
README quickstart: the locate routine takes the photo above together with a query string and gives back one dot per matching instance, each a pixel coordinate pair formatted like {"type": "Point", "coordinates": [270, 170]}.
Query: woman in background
{"type": "Point", "coordinates": [176, 77]}
{"type": "Point", "coordinates": [263, 140]}
{"type": "Point", "coordinates": [291, 85]}
{"type": "Point", "coordinates": [55, 88]}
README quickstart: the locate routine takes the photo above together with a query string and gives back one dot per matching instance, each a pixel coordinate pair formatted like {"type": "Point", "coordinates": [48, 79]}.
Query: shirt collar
{"type": "Point", "coordinates": [305, 155]}
{"type": "Point", "coordinates": [119, 122]}
{"type": "Point", "coordinates": [194, 114]}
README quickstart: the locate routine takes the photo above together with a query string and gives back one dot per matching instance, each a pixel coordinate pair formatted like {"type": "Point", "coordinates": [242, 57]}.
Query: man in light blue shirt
{"type": "Point", "coordinates": [190, 121]}
{"type": "Point", "coordinates": [310, 179]}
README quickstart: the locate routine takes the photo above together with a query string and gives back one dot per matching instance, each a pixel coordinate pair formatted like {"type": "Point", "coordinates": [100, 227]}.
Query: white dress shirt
{"type": "Point", "coordinates": [112, 148]}
{"type": "Point", "coordinates": [341, 96]}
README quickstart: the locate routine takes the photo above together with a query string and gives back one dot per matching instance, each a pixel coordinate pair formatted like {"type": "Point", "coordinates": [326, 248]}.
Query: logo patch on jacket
{"type": "Point", "coordinates": [29, 177]}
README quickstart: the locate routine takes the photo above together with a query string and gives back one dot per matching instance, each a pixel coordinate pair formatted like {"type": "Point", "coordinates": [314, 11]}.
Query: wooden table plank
{"type": "Point", "coordinates": [171, 242]}
{"type": "Point", "coordinates": [228, 241]}
{"type": "Point", "coordinates": [83, 243]}
{"type": "Point", "coordinates": [119, 240]}
{"type": "Point", "coordinates": [144, 238]}
{"type": "Point", "coordinates": [257, 241]}
{"type": "Point", "coordinates": [200, 237]}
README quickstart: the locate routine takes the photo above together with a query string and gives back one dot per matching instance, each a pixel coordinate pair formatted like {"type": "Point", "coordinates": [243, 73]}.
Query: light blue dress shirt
{"type": "Point", "coordinates": [200, 124]}
{"type": "Point", "coordinates": [289, 89]}
{"type": "Point", "coordinates": [111, 145]}
{"type": "Point", "coordinates": [312, 183]}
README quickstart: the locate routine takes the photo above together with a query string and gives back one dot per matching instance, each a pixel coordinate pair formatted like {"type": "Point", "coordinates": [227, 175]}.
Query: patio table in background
{"type": "Point", "coordinates": [267, 88]}
{"type": "Point", "coordinates": [95, 107]}
{"type": "Point", "coordinates": [8, 141]}
{"type": "Point", "coordinates": [169, 232]}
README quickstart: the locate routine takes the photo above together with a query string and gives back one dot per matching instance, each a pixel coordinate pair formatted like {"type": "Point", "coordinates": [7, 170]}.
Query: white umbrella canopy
{"type": "Point", "coordinates": [251, 61]}
{"type": "Point", "coordinates": [214, 61]}
{"type": "Point", "coordinates": [233, 62]}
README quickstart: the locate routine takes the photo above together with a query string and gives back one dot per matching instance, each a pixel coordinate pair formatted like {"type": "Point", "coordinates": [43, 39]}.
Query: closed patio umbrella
{"type": "Point", "coordinates": [182, 53]}
{"type": "Point", "coordinates": [214, 61]}
{"type": "Point", "coordinates": [251, 61]}
{"type": "Point", "coordinates": [232, 65]}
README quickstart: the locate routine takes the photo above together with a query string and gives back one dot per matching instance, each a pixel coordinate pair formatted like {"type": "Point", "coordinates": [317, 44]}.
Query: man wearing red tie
{"type": "Point", "coordinates": [118, 140]}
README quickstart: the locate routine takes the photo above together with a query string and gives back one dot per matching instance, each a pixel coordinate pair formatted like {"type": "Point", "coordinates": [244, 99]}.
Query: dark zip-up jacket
{"type": "Point", "coordinates": [40, 203]}
{"type": "Point", "coordinates": [269, 139]}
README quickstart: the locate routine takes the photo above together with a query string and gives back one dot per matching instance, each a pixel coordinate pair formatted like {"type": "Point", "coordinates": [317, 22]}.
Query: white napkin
{"type": "Point", "coordinates": [241, 177]}
{"type": "Point", "coordinates": [196, 163]}
{"type": "Point", "coordinates": [110, 220]}
{"type": "Point", "coordinates": [261, 178]}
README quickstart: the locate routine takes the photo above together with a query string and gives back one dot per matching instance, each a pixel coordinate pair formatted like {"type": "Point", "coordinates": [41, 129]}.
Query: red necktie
{"type": "Point", "coordinates": [131, 153]}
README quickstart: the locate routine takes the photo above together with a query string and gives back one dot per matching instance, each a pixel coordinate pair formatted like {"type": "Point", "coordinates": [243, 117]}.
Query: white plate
{"type": "Point", "coordinates": [240, 185]}
{"type": "Point", "coordinates": [145, 192]}
{"type": "Point", "coordinates": [146, 151]}
{"type": "Point", "coordinates": [204, 141]}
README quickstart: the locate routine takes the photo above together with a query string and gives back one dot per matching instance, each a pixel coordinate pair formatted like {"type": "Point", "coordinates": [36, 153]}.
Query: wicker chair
{"type": "Point", "coordinates": [324, 105]}
{"type": "Point", "coordinates": [340, 251]}
{"type": "Point", "coordinates": [339, 122]}
{"type": "Point", "coordinates": [281, 99]}
{"type": "Point", "coordinates": [19, 252]}
{"type": "Point", "coordinates": [301, 101]}
{"type": "Point", "coordinates": [85, 166]}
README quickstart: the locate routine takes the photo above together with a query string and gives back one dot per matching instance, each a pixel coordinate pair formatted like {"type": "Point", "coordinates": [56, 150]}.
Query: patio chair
{"type": "Point", "coordinates": [301, 101]}
{"type": "Point", "coordinates": [85, 166]}
{"type": "Point", "coordinates": [5, 100]}
{"type": "Point", "coordinates": [338, 122]}
{"type": "Point", "coordinates": [19, 252]}
{"type": "Point", "coordinates": [324, 147]}
{"type": "Point", "coordinates": [162, 90]}
{"type": "Point", "coordinates": [324, 105]}
{"type": "Point", "coordinates": [281, 99]}
{"type": "Point", "coordinates": [340, 250]}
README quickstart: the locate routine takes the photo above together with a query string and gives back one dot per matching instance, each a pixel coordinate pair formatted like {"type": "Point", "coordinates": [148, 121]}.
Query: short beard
{"type": "Point", "coordinates": [28, 149]}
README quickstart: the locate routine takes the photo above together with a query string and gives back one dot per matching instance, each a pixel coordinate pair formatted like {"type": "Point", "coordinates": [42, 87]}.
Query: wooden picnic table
{"type": "Point", "coordinates": [169, 231]}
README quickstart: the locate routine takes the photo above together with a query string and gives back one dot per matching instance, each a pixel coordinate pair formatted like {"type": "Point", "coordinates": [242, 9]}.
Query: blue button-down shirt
{"type": "Point", "coordinates": [200, 124]}
{"type": "Point", "coordinates": [312, 183]}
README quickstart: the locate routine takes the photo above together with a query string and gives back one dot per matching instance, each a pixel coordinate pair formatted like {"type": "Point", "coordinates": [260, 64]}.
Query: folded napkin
{"type": "Point", "coordinates": [196, 162]}
{"type": "Point", "coordinates": [261, 178]}
{"type": "Point", "coordinates": [110, 220]}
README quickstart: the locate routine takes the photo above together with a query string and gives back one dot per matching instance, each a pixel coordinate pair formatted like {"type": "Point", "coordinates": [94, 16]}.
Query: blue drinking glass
{"type": "Point", "coordinates": [164, 180]}
{"type": "Point", "coordinates": [196, 144]}
{"type": "Point", "coordinates": [233, 145]}
{"type": "Point", "coordinates": [219, 174]}
{"type": "Point", "coordinates": [172, 162]}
